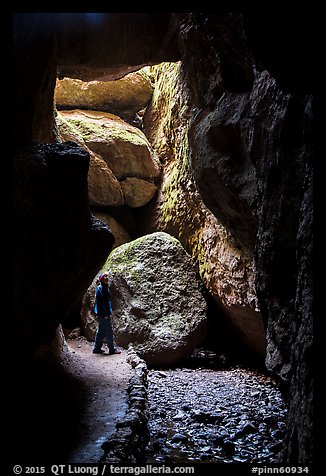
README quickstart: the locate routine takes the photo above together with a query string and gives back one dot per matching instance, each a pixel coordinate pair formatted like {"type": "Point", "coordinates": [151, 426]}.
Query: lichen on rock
{"type": "Point", "coordinates": [123, 147]}
{"type": "Point", "coordinates": [157, 305]}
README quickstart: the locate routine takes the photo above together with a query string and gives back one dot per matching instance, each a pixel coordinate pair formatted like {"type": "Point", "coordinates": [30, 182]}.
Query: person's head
{"type": "Point", "coordinates": [104, 278]}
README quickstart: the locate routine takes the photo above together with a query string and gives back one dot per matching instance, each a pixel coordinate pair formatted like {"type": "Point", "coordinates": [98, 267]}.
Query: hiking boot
{"type": "Point", "coordinates": [115, 351]}
{"type": "Point", "coordinates": [100, 351]}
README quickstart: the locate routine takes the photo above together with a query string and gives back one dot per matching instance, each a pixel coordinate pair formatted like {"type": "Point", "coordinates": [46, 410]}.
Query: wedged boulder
{"type": "Point", "coordinates": [123, 97]}
{"type": "Point", "coordinates": [157, 305]}
{"type": "Point", "coordinates": [137, 192]}
{"type": "Point", "coordinates": [103, 187]}
{"type": "Point", "coordinates": [124, 148]}
{"type": "Point", "coordinates": [119, 232]}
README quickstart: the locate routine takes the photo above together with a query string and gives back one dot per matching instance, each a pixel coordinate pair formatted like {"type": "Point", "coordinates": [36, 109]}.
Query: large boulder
{"type": "Point", "coordinates": [124, 97]}
{"type": "Point", "coordinates": [103, 187]}
{"type": "Point", "coordinates": [88, 321]}
{"type": "Point", "coordinates": [119, 232]}
{"type": "Point", "coordinates": [137, 192]}
{"type": "Point", "coordinates": [124, 148]}
{"type": "Point", "coordinates": [157, 305]}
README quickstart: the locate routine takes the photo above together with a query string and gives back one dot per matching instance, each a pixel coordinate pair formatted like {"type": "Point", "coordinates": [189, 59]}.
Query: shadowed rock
{"type": "Point", "coordinates": [106, 46]}
{"type": "Point", "coordinates": [59, 245]}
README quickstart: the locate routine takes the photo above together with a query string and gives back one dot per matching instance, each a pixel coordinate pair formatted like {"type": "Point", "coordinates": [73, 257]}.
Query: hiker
{"type": "Point", "coordinates": [103, 311]}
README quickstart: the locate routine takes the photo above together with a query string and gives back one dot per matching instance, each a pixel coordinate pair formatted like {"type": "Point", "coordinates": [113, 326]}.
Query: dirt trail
{"type": "Point", "coordinates": [105, 380]}
{"type": "Point", "coordinates": [62, 410]}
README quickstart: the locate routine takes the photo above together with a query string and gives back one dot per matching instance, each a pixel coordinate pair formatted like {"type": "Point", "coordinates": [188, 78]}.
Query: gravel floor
{"type": "Point", "coordinates": [207, 415]}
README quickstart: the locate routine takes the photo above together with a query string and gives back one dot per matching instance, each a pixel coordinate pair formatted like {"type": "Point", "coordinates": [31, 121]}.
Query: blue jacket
{"type": "Point", "coordinates": [102, 305]}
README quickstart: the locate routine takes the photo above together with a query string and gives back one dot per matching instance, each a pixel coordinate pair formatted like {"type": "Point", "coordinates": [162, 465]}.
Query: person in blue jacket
{"type": "Point", "coordinates": [103, 310]}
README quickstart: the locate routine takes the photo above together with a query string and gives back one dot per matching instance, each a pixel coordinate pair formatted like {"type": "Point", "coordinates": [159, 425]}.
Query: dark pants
{"type": "Point", "coordinates": [104, 330]}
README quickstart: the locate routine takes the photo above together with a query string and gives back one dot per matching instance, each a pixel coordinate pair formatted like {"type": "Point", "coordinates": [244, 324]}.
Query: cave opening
{"type": "Point", "coordinates": [208, 136]}
{"type": "Point", "coordinates": [85, 111]}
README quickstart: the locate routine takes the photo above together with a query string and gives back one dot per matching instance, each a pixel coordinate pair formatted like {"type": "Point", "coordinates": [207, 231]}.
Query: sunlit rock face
{"type": "Point", "coordinates": [106, 46]}
{"type": "Point", "coordinates": [57, 241]}
{"type": "Point", "coordinates": [225, 267]}
{"type": "Point", "coordinates": [124, 97]}
{"type": "Point", "coordinates": [157, 305]}
{"type": "Point", "coordinates": [284, 250]}
{"type": "Point", "coordinates": [104, 188]}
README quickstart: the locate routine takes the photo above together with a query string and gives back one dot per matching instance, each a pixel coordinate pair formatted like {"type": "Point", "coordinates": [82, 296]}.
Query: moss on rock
{"type": "Point", "coordinates": [157, 306]}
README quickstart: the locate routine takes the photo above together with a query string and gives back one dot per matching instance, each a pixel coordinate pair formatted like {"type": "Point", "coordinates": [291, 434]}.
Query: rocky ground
{"type": "Point", "coordinates": [208, 415]}
{"type": "Point", "coordinates": [206, 410]}
{"type": "Point", "coordinates": [201, 411]}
